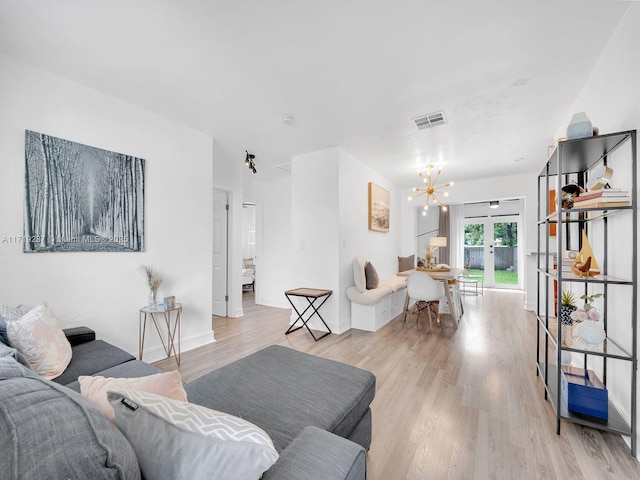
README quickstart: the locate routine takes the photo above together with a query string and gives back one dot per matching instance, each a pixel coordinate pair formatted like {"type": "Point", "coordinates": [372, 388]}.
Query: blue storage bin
{"type": "Point", "coordinates": [584, 393]}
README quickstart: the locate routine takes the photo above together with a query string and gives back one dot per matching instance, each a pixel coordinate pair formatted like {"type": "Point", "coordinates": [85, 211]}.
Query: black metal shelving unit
{"type": "Point", "coordinates": [575, 160]}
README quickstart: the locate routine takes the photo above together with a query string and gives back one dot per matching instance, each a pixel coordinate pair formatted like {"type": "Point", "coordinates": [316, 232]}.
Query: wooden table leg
{"type": "Point", "coordinates": [453, 310]}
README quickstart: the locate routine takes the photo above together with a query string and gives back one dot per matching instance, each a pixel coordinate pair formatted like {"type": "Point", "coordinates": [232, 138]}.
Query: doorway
{"type": "Point", "coordinates": [249, 269]}
{"type": "Point", "coordinates": [491, 250]}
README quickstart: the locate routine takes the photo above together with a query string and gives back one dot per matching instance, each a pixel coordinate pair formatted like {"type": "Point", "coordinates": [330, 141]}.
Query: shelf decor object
{"type": "Point", "coordinates": [600, 178]}
{"type": "Point", "coordinates": [584, 393]}
{"type": "Point", "coordinates": [154, 280]}
{"type": "Point", "coordinates": [579, 127]}
{"type": "Point", "coordinates": [585, 263]}
{"type": "Point", "coordinates": [589, 333]}
{"type": "Point", "coordinates": [567, 306]}
{"type": "Point", "coordinates": [569, 193]}
{"type": "Point", "coordinates": [602, 341]}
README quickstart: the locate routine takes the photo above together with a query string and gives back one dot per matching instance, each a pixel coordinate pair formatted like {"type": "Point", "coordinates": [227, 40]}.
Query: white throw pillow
{"type": "Point", "coordinates": [95, 388]}
{"type": "Point", "coordinates": [175, 439]}
{"type": "Point", "coordinates": [39, 337]}
{"type": "Point", "coordinates": [359, 277]}
{"type": "Point", "coordinates": [13, 313]}
{"type": "Point", "coordinates": [10, 313]}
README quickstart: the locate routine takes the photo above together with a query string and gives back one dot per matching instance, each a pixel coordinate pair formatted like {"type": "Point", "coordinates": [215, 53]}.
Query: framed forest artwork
{"type": "Point", "coordinates": [379, 208]}
{"type": "Point", "coordinates": [81, 199]}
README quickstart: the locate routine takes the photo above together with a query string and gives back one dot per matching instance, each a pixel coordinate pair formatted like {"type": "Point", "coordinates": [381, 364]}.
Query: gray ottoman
{"type": "Point", "coordinates": [283, 391]}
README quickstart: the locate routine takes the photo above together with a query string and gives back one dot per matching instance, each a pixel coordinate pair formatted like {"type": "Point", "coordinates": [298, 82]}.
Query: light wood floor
{"type": "Point", "coordinates": [449, 404]}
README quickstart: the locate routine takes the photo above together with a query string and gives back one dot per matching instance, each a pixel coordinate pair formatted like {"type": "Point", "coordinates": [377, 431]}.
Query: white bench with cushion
{"type": "Point", "coordinates": [372, 308]}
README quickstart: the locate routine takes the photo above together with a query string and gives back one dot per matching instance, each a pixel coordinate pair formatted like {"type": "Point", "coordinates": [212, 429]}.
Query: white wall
{"type": "Point", "coordinates": [315, 227]}
{"type": "Point", "coordinates": [275, 244]}
{"type": "Point", "coordinates": [611, 99]}
{"type": "Point", "coordinates": [105, 290]}
{"type": "Point", "coordinates": [355, 239]}
{"type": "Point", "coordinates": [329, 198]}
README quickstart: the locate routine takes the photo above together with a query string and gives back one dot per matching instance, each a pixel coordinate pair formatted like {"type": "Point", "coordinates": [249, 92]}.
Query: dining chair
{"type": "Point", "coordinates": [426, 292]}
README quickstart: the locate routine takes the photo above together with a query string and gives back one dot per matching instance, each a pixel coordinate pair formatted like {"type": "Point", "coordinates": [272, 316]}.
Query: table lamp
{"type": "Point", "coordinates": [438, 242]}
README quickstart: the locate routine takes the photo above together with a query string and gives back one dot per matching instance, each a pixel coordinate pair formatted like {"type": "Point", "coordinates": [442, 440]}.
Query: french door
{"type": "Point", "coordinates": [491, 250]}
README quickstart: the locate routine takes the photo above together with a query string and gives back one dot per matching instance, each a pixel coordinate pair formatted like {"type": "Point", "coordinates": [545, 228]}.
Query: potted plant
{"type": "Point", "coordinates": [567, 306]}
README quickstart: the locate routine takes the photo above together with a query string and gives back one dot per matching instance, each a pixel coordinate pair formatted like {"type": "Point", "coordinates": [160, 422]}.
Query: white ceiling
{"type": "Point", "coordinates": [353, 73]}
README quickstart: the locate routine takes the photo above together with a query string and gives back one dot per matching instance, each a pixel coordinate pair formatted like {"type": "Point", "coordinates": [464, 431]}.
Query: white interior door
{"type": "Point", "coordinates": [220, 246]}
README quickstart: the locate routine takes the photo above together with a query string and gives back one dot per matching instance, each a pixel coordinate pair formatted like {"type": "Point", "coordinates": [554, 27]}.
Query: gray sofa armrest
{"type": "Point", "coordinates": [79, 335]}
{"type": "Point", "coordinates": [316, 454]}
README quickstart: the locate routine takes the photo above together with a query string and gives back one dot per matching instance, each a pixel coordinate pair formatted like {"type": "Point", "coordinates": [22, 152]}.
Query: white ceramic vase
{"type": "Point", "coordinates": [580, 126]}
{"type": "Point", "coordinates": [590, 333]}
{"type": "Point", "coordinates": [566, 357]}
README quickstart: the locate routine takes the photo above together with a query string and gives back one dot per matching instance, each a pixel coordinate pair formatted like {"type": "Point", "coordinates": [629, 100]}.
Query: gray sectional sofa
{"type": "Point", "coordinates": [315, 410]}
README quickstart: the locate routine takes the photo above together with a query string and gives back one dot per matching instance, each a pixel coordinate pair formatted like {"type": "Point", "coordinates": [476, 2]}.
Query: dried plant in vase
{"type": "Point", "coordinates": [430, 257]}
{"type": "Point", "coordinates": [154, 280]}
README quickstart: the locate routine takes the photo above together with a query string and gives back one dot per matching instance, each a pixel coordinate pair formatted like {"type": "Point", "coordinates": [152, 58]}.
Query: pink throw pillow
{"type": "Point", "coordinates": [95, 388]}
{"type": "Point", "coordinates": [39, 337]}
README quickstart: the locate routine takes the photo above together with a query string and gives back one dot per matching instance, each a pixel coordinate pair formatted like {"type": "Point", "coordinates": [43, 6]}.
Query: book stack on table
{"type": "Point", "coordinates": [609, 197]}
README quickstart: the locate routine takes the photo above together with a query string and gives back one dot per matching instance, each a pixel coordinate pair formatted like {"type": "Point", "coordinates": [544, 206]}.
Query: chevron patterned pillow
{"type": "Point", "coordinates": [174, 439]}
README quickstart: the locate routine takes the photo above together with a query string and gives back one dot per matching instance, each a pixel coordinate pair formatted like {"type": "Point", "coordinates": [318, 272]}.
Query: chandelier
{"type": "Point", "coordinates": [431, 190]}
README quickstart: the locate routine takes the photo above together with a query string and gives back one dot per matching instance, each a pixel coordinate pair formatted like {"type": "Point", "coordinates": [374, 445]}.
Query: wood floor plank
{"type": "Point", "coordinates": [450, 404]}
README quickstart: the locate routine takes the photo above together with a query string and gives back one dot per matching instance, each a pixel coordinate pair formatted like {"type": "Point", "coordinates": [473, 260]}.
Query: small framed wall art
{"type": "Point", "coordinates": [379, 208]}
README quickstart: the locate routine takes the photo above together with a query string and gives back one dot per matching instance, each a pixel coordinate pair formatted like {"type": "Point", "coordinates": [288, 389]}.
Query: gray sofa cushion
{"type": "Point", "coordinates": [132, 369]}
{"type": "Point", "coordinates": [48, 431]}
{"type": "Point", "coordinates": [90, 358]}
{"type": "Point", "coordinates": [282, 391]}
{"type": "Point", "coordinates": [319, 455]}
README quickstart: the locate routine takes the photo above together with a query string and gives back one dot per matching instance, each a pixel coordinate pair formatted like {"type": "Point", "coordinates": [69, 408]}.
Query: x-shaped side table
{"type": "Point", "coordinates": [312, 295]}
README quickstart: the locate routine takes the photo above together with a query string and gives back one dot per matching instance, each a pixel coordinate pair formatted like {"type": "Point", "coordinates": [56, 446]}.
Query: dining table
{"type": "Point", "coordinates": [441, 276]}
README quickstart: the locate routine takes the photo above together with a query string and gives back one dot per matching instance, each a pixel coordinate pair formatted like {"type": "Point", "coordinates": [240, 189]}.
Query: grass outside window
{"type": "Point", "coordinates": [501, 277]}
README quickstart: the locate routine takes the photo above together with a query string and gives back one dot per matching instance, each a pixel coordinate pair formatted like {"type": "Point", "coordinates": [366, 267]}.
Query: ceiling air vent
{"type": "Point", "coordinates": [285, 167]}
{"type": "Point", "coordinates": [430, 120]}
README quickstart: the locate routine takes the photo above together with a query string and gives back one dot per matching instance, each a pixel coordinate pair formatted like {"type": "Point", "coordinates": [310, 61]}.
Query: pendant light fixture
{"type": "Point", "coordinates": [432, 191]}
{"type": "Point", "coordinates": [249, 161]}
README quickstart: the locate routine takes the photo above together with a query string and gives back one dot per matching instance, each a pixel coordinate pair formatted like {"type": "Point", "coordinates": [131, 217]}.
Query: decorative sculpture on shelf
{"type": "Point", "coordinates": [589, 331]}
{"type": "Point", "coordinates": [585, 264]}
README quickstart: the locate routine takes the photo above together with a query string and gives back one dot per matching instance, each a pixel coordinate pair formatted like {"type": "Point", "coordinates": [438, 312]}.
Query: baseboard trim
{"type": "Point", "coordinates": [157, 353]}
{"type": "Point", "coordinates": [275, 304]}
